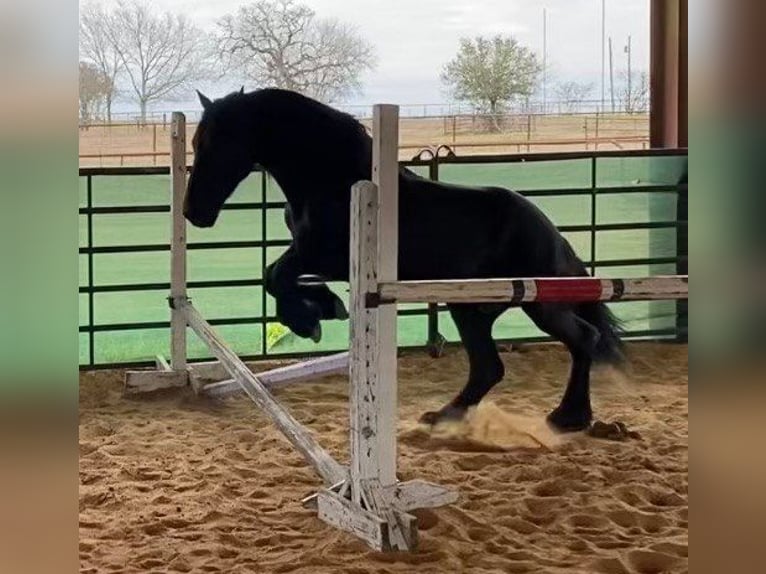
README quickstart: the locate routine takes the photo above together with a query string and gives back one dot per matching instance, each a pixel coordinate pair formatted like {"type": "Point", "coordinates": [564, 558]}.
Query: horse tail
{"type": "Point", "coordinates": [609, 348]}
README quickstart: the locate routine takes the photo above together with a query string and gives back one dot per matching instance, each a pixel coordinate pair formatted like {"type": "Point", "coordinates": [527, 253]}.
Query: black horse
{"type": "Point", "coordinates": [316, 153]}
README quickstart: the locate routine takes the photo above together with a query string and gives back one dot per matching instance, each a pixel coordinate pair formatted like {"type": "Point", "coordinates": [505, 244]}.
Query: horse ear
{"type": "Point", "coordinates": [242, 90]}
{"type": "Point", "coordinates": [204, 100]}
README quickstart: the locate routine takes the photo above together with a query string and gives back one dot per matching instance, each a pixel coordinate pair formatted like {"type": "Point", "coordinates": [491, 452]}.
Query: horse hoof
{"type": "Point", "coordinates": [340, 311]}
{"type": "Point", "coordinates": [316, 334]}
{"type": "Point", "coordinates": [612, 431]}
{"type": "Point", "coordinates": [446, 414]}
{"type": "Point", "coordinates": [566, 422]}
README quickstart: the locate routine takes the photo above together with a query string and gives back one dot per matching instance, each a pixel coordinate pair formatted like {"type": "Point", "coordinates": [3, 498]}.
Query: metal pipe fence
{"type": "Point", "coordinates": [433, 166]}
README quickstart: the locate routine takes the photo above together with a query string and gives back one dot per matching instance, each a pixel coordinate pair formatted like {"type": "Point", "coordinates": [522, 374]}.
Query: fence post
{"type": "Point", "coordinates": [154, 143]}
{"type": "Point", "coordinates": [435, 341]}
{"type": "Point", "coordinates": [178, 241]}
{"type": "Point", "coordinates": [682, 251]}
{"type": "Point", "coordinates": [529, 131]}
{"type": "Point", "coordinates": [598, 116]}
{"type": "Point", "coordinates": [372, 360]}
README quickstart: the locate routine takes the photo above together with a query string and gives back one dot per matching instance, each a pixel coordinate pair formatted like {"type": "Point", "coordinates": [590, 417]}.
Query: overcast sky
{"type": "Point", "coordinates": [414, 38]}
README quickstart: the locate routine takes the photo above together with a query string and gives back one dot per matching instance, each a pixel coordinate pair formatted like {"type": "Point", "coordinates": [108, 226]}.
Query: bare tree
{"type": "Point", "coordinates": [162, 54]}
{"type": "Point", "coordinates": [572, 94]}
{"type": "Point", "coordinates": [97, 47]}
{"type": "Point", "coordinates": [281, 43]}
{"type": "Point", "coordinates": [633, 93]}
{"type": "Point", "coordinates": [95, 89]}
{"type": "Point", "coordinates": [490, 73]}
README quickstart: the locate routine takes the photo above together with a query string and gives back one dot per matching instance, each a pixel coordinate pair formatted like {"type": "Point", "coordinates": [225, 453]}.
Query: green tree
{"type": "Point", "coordinates": [491, 73]}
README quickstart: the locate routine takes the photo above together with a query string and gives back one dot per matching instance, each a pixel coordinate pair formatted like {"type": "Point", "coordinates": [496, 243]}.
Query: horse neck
{"type": "Point", "coordinates": [294, 190]}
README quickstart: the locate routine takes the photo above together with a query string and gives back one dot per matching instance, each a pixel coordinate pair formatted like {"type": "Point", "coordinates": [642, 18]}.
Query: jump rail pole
{"type": "Point", "coordinates": [281, 376]}
{"type": "Point", "coordinates": [558, 289]}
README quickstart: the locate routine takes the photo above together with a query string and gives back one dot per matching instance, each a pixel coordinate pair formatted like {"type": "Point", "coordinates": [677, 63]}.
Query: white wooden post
{"type": "Point", "coordinates": [175, 374]}
{"type": "Point", "coordinates": [178, 241]}
{"type": "Point", "coordinates": [377, 510]}
{"type": "Point", "coordinates": [385, 175]}
{"type": "Point", "coordinates": [366, 402]}
{"type": "Point", "coordinates": [373, 331]}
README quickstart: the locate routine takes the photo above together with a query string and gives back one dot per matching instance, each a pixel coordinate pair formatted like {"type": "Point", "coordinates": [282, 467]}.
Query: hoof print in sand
{"type": "Point", "coordinates": [612, 431]}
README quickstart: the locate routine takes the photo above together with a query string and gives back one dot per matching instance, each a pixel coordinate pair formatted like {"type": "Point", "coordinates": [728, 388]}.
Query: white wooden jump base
{"type": "Point", "coordinates": [364, 498]}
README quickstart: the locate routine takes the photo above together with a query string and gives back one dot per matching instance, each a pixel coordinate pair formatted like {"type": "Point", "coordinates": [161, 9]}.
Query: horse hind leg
{"type": "Point", "coordinates": [574, 413]}
{"type": "Point", "coordinates": [474, 323]}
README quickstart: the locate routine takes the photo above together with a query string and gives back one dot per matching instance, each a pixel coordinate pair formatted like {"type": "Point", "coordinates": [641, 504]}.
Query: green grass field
{"type": "Point", "coordinates": [220, 264]}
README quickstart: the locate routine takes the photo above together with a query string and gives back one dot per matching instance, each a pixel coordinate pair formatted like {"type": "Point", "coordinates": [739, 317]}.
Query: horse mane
{"type": "Point", "coordinates": [287, 103]}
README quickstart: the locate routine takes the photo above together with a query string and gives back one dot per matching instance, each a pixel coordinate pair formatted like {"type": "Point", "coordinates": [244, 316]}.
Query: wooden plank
{"type": "Point", "coordinates": [372, 397]}
{"type": "Point", "coordinates": [330, 470]}
{"type": "Point", "coordinates": [363, 359]}
{"type": "Point", "coordinates": [339, 488]}
{"type": "Point", "coordinates": [210, 370]}
{"type": "Point", "coordinates": [415, 494]}
{"type": "Point", "coordinates": [341, 513]}
{"type": "Point", "coordinates": [401, 528]}
{"type": "Point", "coordinates": [147, 381]}
{"type": "Point", "coordinates": [384, 253]}
{"type": "Point", "coordinates": [161, 363]}
{"type": "Point", "coordinates": [385, 175]}
{"type": "Point", "coordinates": [178, 240]}
{"type": "Point", "coordinates": [569, 289]}
{"type": "Point", "coordinates": [282, 376]}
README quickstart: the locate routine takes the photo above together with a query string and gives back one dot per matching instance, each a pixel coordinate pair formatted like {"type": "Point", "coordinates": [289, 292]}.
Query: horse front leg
{"type": "Point", "coordinates": [300, 307]}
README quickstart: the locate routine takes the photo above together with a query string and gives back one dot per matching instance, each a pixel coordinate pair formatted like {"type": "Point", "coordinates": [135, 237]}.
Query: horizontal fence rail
{"type": "Point", "coordinates": [433, 163]}
{"type": "Point", "coordinates": [538, 290]}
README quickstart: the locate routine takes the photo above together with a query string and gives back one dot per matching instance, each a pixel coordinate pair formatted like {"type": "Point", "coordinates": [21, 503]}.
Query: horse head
{"type": "Point", "coordinates": [223, 157]}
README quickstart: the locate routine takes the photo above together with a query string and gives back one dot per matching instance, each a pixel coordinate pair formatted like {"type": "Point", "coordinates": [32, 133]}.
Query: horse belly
{"type": "Point", "coordinates": [448, 245]}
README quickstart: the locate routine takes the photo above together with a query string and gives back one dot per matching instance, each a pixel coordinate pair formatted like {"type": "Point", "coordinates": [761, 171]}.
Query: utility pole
{"type": "Point", "coordinates": [611, 73]}
{"type": "Point", "coordinates": [545, 58]}
{"type": "Point", "coordinates": [630, 77]}
{"type": "Point", "coordinates": [603, 53]}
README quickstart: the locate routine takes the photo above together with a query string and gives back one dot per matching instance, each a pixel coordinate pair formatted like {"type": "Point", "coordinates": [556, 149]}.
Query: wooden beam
{"type": "Point", "coordinates": [372, 364]}
{"type": "Point", "coordinates": [665, 73]}
{"type": "Point", "coordinates": [385, 176]}
{"type": "Point", "coordinates": [282, 376]}
{"type": "Point", "coordinates": [341, 513]}
{"type": "Point", "coordinates": [330, 470]}
{"type": "Point", "coordinates": [365, 399]}
{"type": "Point", "coordinates": [683, 75]}
{"type": "Point", "coordinates": [178, 240]}
{"type": "Point", "coordinates": [402, 528]}
{"type": "Point", "coordinates": [561, 289]}
{"type": "Point", "coordinates": [415, 494]}
{"type": "Point", "coordinates": [161, 363]}
{"type": "Point", "coordinates": [147, 381]}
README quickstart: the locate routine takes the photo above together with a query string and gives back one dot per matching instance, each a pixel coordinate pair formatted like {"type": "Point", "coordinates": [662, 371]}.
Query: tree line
{"type": "Point", "coordinates": [130, 50]}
